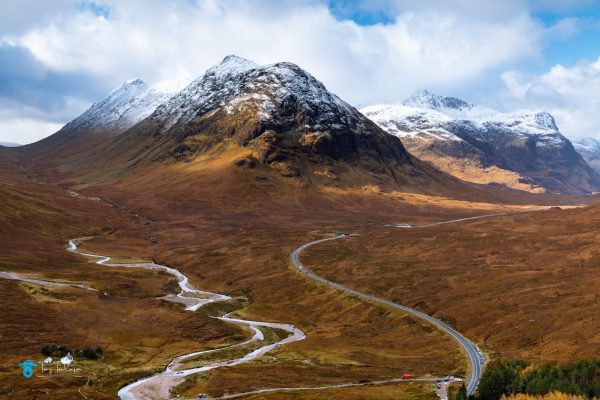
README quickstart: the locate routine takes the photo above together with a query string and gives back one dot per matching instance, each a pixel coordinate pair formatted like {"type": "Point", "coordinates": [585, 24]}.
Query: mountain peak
{"type": "Point", "coordinates": [232, 65]}
{"type": "Point", "coordinates": [546, 120]}
{"type": "Point", "coordinates": [134, 82]}
{"type": "Point", "coordinates": [232, 58]}
{"type": "Point", "coordinates": [130, 84]}
{"type": "Point", "coordinates": [425, 99]}
{"type": "Point", "coordinates": [240, 85]}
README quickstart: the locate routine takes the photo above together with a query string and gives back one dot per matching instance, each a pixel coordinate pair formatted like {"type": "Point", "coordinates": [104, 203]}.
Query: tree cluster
{"type": "Point", "coordinates": [506, 378]}
{"type": "Point", "coordinates": [52, 350]}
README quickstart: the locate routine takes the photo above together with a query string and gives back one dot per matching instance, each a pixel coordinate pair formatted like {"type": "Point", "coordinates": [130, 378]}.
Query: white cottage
{"type": "Point", "coordinates": [66, 360]}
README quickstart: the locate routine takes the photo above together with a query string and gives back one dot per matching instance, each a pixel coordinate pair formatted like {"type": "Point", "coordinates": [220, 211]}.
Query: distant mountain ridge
{"type": "Point", "coordinates": [523, 150]}
{"type": "Point", "coordinates": [10, 144]}
{"type": "Point", "coordinates": [589, 148]}
{"type": "Point", "coordinates": [424, 99]}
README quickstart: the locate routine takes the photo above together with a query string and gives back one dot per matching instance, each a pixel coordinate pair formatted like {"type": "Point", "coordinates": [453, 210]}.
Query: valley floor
{"type": "Point", "coordinates": [244, 254]}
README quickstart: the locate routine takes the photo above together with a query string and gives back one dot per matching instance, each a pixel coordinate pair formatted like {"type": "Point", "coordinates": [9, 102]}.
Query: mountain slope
{"type": "Point", "coordinates": [125, 106]}
{"type": "Point", "coordinates": [522, 150]}
{"type": "Point", "coordinates": [589, 148]}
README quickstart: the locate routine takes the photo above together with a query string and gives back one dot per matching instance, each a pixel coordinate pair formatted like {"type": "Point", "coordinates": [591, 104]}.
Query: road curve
{"type": "Point", "coordinates": [476, 358]}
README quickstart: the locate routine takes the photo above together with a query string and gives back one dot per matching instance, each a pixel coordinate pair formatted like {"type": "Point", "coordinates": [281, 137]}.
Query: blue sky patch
{"type": "Point", "coordinates": [362, 12]}
{"type": "Point", "coordinates": [94, 8]}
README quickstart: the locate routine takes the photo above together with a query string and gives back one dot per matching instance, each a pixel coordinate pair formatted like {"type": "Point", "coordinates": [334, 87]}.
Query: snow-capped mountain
{"type": "Point", "coordinates": [589, 148]}
{"type": "Point", "coordinates": [451, 106]}
{"type": "Point", "coordinates": [239, 86]}
{"type": "Point", "coordinates": [523, 149]}
{"type": "Point", "coordinates": [279, 110]}
{"type": "Point", "coordinates": [125, 106]}
{"type": "Point", "coordinates": [425, 112]}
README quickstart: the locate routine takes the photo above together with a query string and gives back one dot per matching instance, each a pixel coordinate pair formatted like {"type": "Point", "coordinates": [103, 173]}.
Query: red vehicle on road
{"type": "Point", "coordinates": [407, 376]}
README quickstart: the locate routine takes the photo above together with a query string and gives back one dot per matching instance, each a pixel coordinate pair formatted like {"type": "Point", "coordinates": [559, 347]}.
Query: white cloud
{"type": "Point", "coordinates": [441, 48]}
{"type": "Point", "coordinates": [26, 124]}
{"type": "Point", "coordinates": [24, 131]}
{"type": "Point", "coordinates": [570, 94]}
{"type": "Point", "coordinates": [156, 40]}
{"type": "Point", "coordinates": [17, 16]}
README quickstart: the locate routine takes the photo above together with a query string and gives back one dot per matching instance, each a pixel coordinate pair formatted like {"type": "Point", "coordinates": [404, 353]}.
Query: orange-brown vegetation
{"type": "Point", "coordinates": [549, 396]}
{"type": "Point", "coordinates": [522, 286]}
{"type": "Point", "coordinates": [230, 226]}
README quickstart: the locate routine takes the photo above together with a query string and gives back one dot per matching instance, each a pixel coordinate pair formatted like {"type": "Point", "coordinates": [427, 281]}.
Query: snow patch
{"type": "Point", "coordinates": [127, 104]}
{"type": "Point", "coordinates": [239, 84]}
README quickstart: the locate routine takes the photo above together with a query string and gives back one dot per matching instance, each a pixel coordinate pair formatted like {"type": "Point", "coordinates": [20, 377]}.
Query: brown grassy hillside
{"type": "Point", "coordinates": [523, 286]}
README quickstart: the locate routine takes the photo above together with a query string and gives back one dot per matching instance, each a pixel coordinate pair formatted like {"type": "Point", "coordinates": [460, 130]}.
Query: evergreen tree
{"type": "Point", "coordinates": [462, 393]}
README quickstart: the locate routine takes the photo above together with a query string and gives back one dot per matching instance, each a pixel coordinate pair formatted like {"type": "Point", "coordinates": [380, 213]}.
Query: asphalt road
{"type": "Point", "coordinates": [476, 358]}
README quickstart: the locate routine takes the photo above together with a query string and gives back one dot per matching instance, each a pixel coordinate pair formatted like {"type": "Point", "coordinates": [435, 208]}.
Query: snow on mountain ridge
{"type": "Point", "coordinates": [587, 143]}
{"type": "Point", "coordinates": [171, 86]}
{"type": "Point", "coordinates": [424, 111]}
{"type": "Point", "coordinates": [10, 144]}
{"type": "Point", "coordinates": [231, 65]}
{"type": "Point", "coordinates": [425, 99]}
{"type": "Point", "coordinates": [589, 148]}
{"type": "Point", "coordinates": [126, 105]}
{"type": "Point", "coordinates": [405, 121]}
{"type": "Point", "coordinates": [451, 106]}
{"type": "Point", "coordinates": [236, 84]}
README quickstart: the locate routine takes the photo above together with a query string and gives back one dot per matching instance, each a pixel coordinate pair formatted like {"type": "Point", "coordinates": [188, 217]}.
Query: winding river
{"type": "Point", "coordinates": [159, 385]}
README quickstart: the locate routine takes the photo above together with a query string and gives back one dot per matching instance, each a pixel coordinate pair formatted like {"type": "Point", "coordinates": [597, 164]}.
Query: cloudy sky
{"type": "Point", "coordinates": [58, 57]}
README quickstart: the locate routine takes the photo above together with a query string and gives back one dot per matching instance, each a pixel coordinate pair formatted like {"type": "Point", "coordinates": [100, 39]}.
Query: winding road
{"type": "Point", "coordinates": [474, 354]}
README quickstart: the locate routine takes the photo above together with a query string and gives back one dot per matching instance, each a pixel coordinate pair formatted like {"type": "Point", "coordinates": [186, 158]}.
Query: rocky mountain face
{"type": "Point", "coordinates": [523, 150]}
{"type": "Point", "coordinates": [286, 117]}
{"type": "Point", "coordinates": [589, 148]}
